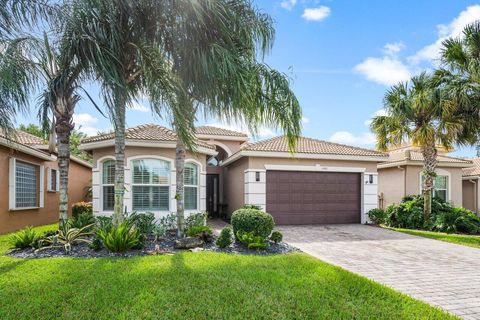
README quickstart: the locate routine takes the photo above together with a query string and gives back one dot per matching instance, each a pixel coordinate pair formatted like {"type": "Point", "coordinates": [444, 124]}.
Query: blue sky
{"type": "Point", "coordinates": [342, 56]}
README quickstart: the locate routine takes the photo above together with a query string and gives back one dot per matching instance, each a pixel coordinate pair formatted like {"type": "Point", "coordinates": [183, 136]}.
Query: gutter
{"type": "Point", "coordinates": [25, 149]}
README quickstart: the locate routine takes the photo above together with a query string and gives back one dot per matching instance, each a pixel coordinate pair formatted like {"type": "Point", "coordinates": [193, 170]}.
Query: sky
{"type": "Point", "coordinates": [341, 57]}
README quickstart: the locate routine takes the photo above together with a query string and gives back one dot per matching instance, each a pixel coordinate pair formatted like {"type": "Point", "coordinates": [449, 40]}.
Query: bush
{"type": "Point", "coordinates": [144, 222]}
{"type": "Point", "coordinates": [276, 236]}
{"type": "Point", "coordinates": [66, 238]}
{"type": "Point", "coordinates": [82, 220]}
{"type": "Point", "coordinates": [377, 216]}
{"type": "Point", "coordinates": [24, 238]}
{"type": "Point", "coordinates": [252, 206]}
{"type": "Point", "coordinates": [169, 222]}
{"type": "Point", "coordinates": [103, 222]}
{"type": "Point", "coordinates": [96, 244]}
{"type": "Point", "coordinates": [196, 219]}
{"type": "Point", "coordinates": [202, 232]}
{"type": "Point", "coordinates": [251, 241]}
{"type": "Point", "coordinates": [159, 231]}
{"type": "Point", "coordinates": [81, 208]}
{"type": "Point", "coordinates": [251, 220]}
{"type": "Point", "coordinates": [457, 220]}
{"type": "Point", "coordinates": [225, 238]}
{"type": "Point", "coordinates": [121, 238]}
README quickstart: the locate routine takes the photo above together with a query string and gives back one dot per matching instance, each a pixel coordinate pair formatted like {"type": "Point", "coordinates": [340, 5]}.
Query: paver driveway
{"type": "Point", "coordinates": [439, 273]}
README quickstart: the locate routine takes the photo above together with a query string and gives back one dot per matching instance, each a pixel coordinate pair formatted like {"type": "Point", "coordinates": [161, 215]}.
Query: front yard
{"type": "Point", "coordinates": [195, 286]}
{"type": "Point", "coordinates": [466, 240]}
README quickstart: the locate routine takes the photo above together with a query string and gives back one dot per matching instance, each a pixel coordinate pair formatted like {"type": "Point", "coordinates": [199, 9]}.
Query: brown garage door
{"type": "Point", "coordinates": [313, 197]}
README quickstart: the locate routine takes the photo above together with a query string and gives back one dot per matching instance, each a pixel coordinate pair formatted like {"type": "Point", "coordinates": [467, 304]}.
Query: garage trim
{"type": "Point", "coordinates": [316, 167]}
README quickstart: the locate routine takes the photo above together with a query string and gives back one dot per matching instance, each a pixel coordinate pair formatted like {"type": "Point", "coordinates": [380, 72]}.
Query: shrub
{"type": "Point", "coordinates": [82, 220]}
{"type": "Point", "coordinates": [457, 220]}
{"type": "Point", "coordinates": [276, 236]}
{"type": "Point", "coordinates": [405, 215]}
{"type": "Point", "coordinates": [225, 238]}
{"type": "Point", "coordinates": [169, 221]}
{"type": "Point", "coordinates": [66, 238]}
{"type": "Point", "coordinates": [144, 222]}
{"type": "Point", "coordinates": [196, 219]}
{"type": "Point", "coordinates": [103, 222]}
{"type": "Point", "coordinates": [252, 206]}
{"type": "Point", "coordinates": [159, 231]}
{"type": "Point", "coordinates": [202, 232]}
{"type": "Point", "coordinates": [120, 238]}
{"type": "Point", "coordinates": [81, 208]}
{"type": "Point", "coordinates": [377, 216]}
{"type": "Point", "coordinates": [24, 238]}
{"type": "Point", "coordinates": [96, 244]}
{"type": "Point", "coordinates": [251, 241]}
{"type": "Point", "coordinates": [251, 220]}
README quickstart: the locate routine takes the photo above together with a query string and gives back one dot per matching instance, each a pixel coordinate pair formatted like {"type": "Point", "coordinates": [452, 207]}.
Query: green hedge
{"type": "Point", "coordinates": [252, 220]}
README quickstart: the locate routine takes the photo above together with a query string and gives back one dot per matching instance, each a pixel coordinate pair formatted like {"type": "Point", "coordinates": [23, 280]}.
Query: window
{"type": "Point", "coordinates": [440, 185]}
{"type": "Point", "coordinates": [52, 180]}
{"type": "Point", "coordinates": [190, 181]}
{"type": "Point", "coordinates": [151, 185]}
{"type": "Point", "coordinates": [108, 182]}
{"type": "Point", "coordinates": [26, 185]}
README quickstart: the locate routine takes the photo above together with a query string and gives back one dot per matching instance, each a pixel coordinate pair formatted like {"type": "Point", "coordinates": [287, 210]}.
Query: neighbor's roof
{"type": "Point", "coordinates": [145, 132]}
{"type": "Point", "coordinates": [215, 131]}
{"type": "Point", "coordinates": [25, 138]}
{"type": "Point", "coordinates": [473, 171]}
{"type": "Point", "coordinates": [401, 158]}
{"type": "Point", "coordinates": [312, 146]}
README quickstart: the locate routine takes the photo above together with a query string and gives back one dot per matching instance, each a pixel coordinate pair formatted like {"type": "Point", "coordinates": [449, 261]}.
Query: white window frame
{"type": "Point", "coordinates": [439, 172]}
{"type": "Point", "coordinates": [12, 186]}
{"type": "Point", "coordinates": [49, 180]}
{"type": "Point", "coordinates": [133, 184]}
{"type": "Point", "coordinates": [198, 166]}
{"type": "Point", "coordinates": [105, 184]}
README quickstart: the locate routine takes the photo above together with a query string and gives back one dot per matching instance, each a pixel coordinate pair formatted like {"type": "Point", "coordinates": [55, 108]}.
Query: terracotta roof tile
{"type": "Point", "coordinates": [313, 146]}
{"type": "Point", "coordinates": [215, 131]}
{"type": "Point", "coordinates": [417, 156]}
{"type": "Point", "coordinates": [146, 132]}
{"type": "Point", "coordinates": [473, 171]}
{"type": "Point", "coordinates": [25, 138]}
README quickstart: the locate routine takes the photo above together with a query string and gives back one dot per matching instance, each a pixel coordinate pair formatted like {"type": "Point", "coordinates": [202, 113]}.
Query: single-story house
{"type": "Point", "coordinates": [30, 180]}
{"type": "Point", "coordinates": [322, 182]}
{"type": "Point", "coordinates": [401, 176]}
{"type": "Point", "coordinates": [471, 190]}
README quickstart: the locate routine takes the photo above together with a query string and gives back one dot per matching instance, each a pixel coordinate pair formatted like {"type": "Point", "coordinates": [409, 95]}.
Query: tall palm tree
{"type": "Point", "coordinates": [177, 53]}
{"type": "Point", "coordinates": [420, 112]}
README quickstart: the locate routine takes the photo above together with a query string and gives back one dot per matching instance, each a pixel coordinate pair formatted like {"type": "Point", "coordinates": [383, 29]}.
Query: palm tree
{"type": "Point", "coordinates": [179, 53]}
{"type": "Point", "coordinates": [421, 112]}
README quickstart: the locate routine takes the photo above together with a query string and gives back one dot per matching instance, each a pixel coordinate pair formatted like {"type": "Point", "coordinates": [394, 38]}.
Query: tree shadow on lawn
{"type": "Point", "coordinates": [197, 286]}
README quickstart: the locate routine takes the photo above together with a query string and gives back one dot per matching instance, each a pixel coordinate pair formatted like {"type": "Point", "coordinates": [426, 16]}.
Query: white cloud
{"type": "Point", "coordinates": [381, 112]}
{"type": "Point", "coordinates": [288, 4]}
{"type": "Point", "coordinates": [263, 132]}
{"type": "Point", "coordinates": [386, 70]}
{"type": "Point", "coordinates": [391, 49]}
{"type": "Point", "coordinates": [345, 137]}
{"type": "Point", "coordinates": [455, 28]}
{"type": "Point", "coordinates": [305, 120]}
{"type": "Point", "coordinates": [139, 107]}
{"type": "Point", "coordinates": [86, 123]}
{"type": "Point", "coordinates": [316, 14]}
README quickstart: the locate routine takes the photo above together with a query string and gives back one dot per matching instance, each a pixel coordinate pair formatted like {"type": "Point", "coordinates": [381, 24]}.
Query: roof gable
{"type": "Point", "coordinates": [216, 131]}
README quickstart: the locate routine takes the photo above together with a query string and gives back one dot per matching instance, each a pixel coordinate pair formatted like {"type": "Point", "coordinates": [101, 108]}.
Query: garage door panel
{"type": "Point", "coordinates": [313, 197]}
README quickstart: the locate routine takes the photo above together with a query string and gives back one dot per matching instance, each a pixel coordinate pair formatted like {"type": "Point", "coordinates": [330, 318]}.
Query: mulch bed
{"type": "Point", "coordinates": [165, 246]}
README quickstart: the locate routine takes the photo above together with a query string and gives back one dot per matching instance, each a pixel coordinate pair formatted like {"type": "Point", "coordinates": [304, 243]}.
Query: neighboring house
{"type": "Point", "coordinates": [471, 190]}
{"type": "Point", "coordinates": [30, 179]}
{"type": "Point", "coordinates": [321, 182]}
{"type": "Point", "coordinates": [401, 176]}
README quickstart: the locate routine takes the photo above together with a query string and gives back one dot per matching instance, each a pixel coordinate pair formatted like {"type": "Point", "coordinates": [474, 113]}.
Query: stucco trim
{"type": "Point", "coordinates": [268, 154]}
{"type": "Point", "coordinates": [420, 163]}
{"type": "Point", "coordinates": [26, 149]}
{"type": "Point", "coordinates": [317, 167]}
{"type": "Point", "coordinates": [220, 137]}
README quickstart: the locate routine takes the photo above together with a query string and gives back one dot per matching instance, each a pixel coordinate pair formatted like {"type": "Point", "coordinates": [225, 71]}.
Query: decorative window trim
{"type": "Point", "coordinates": [49, 180]}
{"type": "Point", "coordinates": [104, 160]}
{"type": "Point", "coordinates": [197, 186]}
{"type": "Point", "coordinates": [12, 186]}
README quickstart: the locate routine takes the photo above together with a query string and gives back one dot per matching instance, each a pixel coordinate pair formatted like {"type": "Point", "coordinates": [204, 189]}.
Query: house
{"type": "Point", "coordinates": [30, 180]}
{"type": "Point", "coordinates": [401, 176]}
{"type": "Point", "coordinates": [322, 182]}
{"type": "Point", "coordinates": [471, 191]}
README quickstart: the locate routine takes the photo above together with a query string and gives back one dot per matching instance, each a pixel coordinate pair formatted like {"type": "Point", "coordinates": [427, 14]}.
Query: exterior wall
{"type": "Point", "coordinates": [11, 220]}
{"type": "Point", "coordinates": [470, 194]}
{"type": "Point", "coordinates": [391, 185]}
{"type": "Point", "coordinates": [132, 153]}
{"type": "Point", "coordinates": [228, 145]}
{"type": "Point", "coordinates": [234, 185]}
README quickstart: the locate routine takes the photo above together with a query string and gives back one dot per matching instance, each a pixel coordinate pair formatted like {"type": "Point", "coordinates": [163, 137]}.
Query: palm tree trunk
{"type": "Point", "coordinates": [180, 191]}
{"type": "Point", "coordinates": [119, 123]}
{"type": "Point", "coordinates": [63, 130]}
{"type": "Point", "coordinates": [429, 166]}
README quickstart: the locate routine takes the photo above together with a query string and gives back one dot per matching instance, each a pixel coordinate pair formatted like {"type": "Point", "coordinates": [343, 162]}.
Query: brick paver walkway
{"type": "Point", "coordinates": [439, 273]}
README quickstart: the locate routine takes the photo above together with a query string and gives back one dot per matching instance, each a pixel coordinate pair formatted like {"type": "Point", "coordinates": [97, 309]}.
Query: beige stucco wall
{"type": "Point", "coordinates": [470, 190]}
{"type": "Point", "coordinates": [234, 183]}
{"type": "Point", "coordinates": [391, 185]}
{"type": "Point", "coordinates": [260, 162]}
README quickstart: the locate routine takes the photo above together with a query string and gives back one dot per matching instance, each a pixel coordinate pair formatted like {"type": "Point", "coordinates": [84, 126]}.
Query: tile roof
{"type": "Point", "coordinates": [215, 131]}
{"type": "Point", "coordinates": [417, 156]}
{"type": "Point", "coordinates": [473, 171]}
{"type": "Point", "coordinates": [146, 132]}
{"type": "Point", "coordinates": [24, 138]}
{"type": "Point", "coordinates": [309, 145]}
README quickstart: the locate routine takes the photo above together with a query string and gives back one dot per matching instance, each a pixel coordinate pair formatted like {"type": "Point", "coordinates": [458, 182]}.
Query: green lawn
{"type": "Point", "coordinates": [195, 286]}
{"type": "Point", "coordinates": [466, 240]}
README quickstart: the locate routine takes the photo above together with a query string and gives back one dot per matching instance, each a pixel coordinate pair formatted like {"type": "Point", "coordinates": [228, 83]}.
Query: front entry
{"type": "Point", "coordinates": [212, 195]}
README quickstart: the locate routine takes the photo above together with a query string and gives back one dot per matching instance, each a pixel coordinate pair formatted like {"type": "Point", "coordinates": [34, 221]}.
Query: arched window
{"type": "Point", "coordinates": [150, 185]}
{"type": "Point", "coordinates": [190, 181]}
{"type": "Point", "coordinates": [108, 182]}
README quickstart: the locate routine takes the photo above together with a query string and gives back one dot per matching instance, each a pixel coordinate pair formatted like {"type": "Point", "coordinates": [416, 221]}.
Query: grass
{"type": "Point", "coordinates": [196, 286]}
{"type": "Point", "coordinates": [466, 240]}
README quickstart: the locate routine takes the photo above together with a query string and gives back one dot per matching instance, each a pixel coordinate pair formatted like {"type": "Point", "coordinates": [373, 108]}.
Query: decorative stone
{"type": "Point", "coordinates": [188, 243]}
{"type": "Point", "coordinates": [197, 249]}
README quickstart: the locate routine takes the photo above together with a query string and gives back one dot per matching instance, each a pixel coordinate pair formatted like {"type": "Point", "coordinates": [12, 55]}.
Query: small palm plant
{"type": "Point", "coordinates": [66, 238]}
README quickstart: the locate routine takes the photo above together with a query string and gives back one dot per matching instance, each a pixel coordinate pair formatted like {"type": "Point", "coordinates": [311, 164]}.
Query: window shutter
{"type": "Point", "coordinates": [11, 184]}
{"type": "Point", "coordinates": [49, 179]}
{"type": "Point", "coordinates": [57, 185]}
{"type": "Point", "coordinates": [41, 193]}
